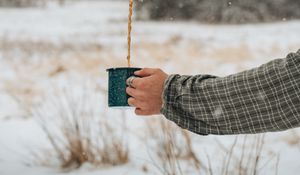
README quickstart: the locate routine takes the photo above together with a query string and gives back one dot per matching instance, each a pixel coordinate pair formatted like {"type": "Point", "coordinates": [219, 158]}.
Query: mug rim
{"type": "Point", "coordinates": [121, 68]}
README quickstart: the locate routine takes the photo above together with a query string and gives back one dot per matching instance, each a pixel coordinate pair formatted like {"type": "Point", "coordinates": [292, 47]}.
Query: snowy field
{"type": "Point", "coordinates": [46, 53]}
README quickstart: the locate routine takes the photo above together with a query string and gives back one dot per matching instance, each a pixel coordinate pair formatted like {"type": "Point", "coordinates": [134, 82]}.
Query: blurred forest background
{"type": "Point", "coordinates": [211, 11]}
{"type": "Point", "coordinates": [27, 3]}
{"type": "Point", "coordinates": [216, 11]}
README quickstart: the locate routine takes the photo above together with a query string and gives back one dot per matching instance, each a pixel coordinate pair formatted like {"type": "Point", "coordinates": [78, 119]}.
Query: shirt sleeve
{"type": "Point", "coordinates": [264, 99]}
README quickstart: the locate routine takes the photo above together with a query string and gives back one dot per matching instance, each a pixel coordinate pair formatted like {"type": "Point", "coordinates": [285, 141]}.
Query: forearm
{"type": "Point", "coordinates": [263, 99]}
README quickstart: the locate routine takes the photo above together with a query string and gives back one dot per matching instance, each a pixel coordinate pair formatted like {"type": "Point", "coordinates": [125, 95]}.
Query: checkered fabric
{"type": "Point", "coordinates": [264, 99]}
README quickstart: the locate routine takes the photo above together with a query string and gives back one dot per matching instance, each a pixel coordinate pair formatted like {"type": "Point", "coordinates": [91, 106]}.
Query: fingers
{"type": "Point", "coordinates": [130, 91]}
{"type": "Point", "coordinates": [146, 72]}
{"type": "Point", "coordinates": [141, 106]}
{"type": "Point", "coordinates": [133, 102]}
{"type": "Point", "coordinates": [131, 81]}
{"type": "Point", "coordinates": [135, 93]}
{"type": "Point", "coordinates": [139, 83]}
{"type": "Point", "coordinates": [139, 111]}
{"type": "Point", "coordinates": [147, 91]}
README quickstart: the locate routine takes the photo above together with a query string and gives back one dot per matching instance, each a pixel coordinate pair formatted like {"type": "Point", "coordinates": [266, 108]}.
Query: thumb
{"type": "Point", "coordinates": [145, 72]}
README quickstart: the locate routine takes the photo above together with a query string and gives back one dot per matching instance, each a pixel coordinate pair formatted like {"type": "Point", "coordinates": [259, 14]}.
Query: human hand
{"type": "Point", "coordinates": [146, 91]}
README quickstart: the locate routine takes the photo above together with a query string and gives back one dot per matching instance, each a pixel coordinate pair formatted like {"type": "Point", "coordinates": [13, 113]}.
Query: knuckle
{"type": "Point", "coordinates": [131, 100]}
{"type": "Point", "coordinates": [141, 84]}
{"type": "Point", "coordinates": [132, 92]}
{"type": "Point", "coordinates": [136, 82]}
{"type": "Point", "coordinates": [142, 95]}
{"type": "Point", "coordinates": [128, 90]}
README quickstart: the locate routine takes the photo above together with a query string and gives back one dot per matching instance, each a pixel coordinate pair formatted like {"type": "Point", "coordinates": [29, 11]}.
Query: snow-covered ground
{"type": "Point", "coordinates": [51, 48]}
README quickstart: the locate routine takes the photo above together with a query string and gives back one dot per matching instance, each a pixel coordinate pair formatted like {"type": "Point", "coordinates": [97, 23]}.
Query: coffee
{"type": "Point", "coordinates": [129, 31]}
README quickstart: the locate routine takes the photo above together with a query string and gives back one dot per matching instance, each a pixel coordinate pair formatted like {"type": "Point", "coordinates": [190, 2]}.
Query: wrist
{"type": "Point", "coordinates": [164, 95]}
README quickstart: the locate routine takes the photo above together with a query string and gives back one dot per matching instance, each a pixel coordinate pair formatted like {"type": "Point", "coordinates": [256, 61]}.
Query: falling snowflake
{"type": "Point", "coordinates": [218, 112]}
{"type": "Point", "coordinates": [180, 5]}
{"type": "Point", "coordinates": [261, 96]}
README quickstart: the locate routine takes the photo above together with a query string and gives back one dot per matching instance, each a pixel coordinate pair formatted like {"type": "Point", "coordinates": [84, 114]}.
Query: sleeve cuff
{"type": "Point", "coordinates": [166, 94]}
{"type": "Point", "coordinates": [171, 109]}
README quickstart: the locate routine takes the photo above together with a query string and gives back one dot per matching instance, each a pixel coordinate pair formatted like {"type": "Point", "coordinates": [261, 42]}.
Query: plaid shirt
{"type": "Point", "coordinates": [264, 99]}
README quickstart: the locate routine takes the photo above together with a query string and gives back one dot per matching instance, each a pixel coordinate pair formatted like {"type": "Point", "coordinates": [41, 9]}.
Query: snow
{"type": "Point", "coordinates": [177, 47]}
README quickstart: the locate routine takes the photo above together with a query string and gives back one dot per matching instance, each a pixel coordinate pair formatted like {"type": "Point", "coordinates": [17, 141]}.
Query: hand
{"type": "Point", "coordinates": [146, 92]}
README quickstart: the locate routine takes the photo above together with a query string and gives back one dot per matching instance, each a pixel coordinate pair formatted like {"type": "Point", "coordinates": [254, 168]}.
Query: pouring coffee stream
{"type": "Point", "coordinates": [129, 31]}
{"type": "Point", "coordinates": [120, 78]}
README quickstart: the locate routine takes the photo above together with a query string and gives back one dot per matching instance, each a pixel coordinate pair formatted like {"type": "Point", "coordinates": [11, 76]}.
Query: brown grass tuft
{"type": "Point", "coordinates": [79, 132]}
{"type": "Point", "coordinates": [172, 146]}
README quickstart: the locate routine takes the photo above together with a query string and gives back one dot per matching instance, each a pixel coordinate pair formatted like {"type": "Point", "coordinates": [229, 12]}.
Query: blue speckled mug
{"type": "Point", "coordinates": [117, 96]}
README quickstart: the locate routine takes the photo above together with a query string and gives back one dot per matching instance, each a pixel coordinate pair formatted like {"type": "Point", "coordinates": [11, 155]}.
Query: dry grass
{"type": "Point", "coordinates": [71, 122]}
{"type": "Point", "coordinates": [246, 160]}
{"type": "Point", "coordinates": [172, 146]}
{"type": "Point", "coordinates": [32, 62]}
{"type": "Point", "coordinates": [89, 57]}
{"type": "Point", "coordinates": [46, 57]}
{"type": "Point", "coordinates": [24, 93]}
{"type": "Point", "coordinates": [78, 132]}
{"type": "Point", "coordinates": [11, 48]}
{"type": "Point", "coordinates": [293, 139]}
{"type": "Point", "coordinates": [232, 54]}
{"type": "Point", "coordinates": [175, 47]}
